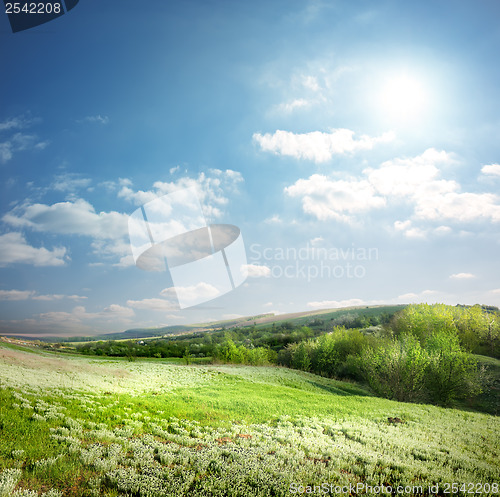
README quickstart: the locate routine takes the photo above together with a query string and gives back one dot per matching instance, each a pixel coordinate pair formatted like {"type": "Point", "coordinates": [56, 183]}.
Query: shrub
{"type": "Point", "coordinates": [477, 328]}
{"type": "Point", "coordinates": [452, 372]}
{"type": "Point", "coordinates": [328, 354]}
{"type": "Point", "coordinates": [397, 370]}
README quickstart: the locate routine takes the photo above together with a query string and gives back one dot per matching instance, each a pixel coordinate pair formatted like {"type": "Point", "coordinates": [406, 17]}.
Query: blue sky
{"type": "Point", "coordinates": [355, 144]}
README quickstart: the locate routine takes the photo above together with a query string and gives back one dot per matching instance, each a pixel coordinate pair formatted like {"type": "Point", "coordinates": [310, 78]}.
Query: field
{"type": "Point", "coordinates": [84, 426]}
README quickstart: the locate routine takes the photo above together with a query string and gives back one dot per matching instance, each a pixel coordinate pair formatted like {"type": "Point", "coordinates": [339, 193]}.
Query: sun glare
{"type": "Point", "coordinates": [403, 98]}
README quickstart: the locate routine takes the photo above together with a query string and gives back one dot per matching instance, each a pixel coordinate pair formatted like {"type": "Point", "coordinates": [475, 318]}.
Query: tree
{"type": "Point", "coordinates": [301, 356]}
{"type": "Point", "coordinates": [452, 372]}
{"type": "Point", "coordinates": [187, 356]}
{"type": "Point", "coordinates": [397, 370]}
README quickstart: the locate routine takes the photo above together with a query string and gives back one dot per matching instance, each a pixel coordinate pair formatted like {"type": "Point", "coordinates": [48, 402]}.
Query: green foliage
{"type": "Point", "coordinates": [404, 370]}
{"type": "Point", "coordinates": [421, 320]}
{"type": "Point", "coordinates": [327, 355]}
{"type": "Point", "coordinates": [276, 336]}
{"type": "Point", "coordinates": [477, 328]}
{"type": "Point", "coordinates": [187, 356]}
{"type": "Point", "coordinates": [164, 430]}
{"type": "Point", "coordinates": [426, 359]}
{"type": "Point", "coordinates": [301, 356]}
{"type": "Point", "coordinates": [452, 373]}
{"type": "Point", "coordinates": [397, 369]}
{"type": "Point", "coordinates": [228, 352]}
{"type": "Point", "coordinates": [418, 354]}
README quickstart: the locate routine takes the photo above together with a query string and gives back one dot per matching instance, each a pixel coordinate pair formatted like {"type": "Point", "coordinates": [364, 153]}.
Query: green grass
{"type": "Point", "coordinates": [489, 400]}
{"type": "Point", "coordinates": [145, 428]}
{"type": "Point", "coordinates": [22, 348]}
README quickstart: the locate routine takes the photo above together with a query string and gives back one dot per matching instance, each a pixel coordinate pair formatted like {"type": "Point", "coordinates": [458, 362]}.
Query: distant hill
{"type": "Point", "coordinates": [302, 318]}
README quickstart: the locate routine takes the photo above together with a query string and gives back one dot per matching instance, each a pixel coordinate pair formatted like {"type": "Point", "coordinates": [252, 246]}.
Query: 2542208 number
{"type": "Point", "coordinates": [33, 8]}
{"type": "Point", "coordinates": [471, 488]}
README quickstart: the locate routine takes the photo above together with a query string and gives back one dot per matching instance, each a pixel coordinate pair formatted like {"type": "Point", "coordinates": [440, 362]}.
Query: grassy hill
{"type": "Point", "coordinates": [295, 319]}
{"type": "Point", "coordinates": [77, 426]}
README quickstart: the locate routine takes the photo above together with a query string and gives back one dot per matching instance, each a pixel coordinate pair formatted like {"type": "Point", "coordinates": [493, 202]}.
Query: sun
{"type": "Point", "coordinates": [403, 97]}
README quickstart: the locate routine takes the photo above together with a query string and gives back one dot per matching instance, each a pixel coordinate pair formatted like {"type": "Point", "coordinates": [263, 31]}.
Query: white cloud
{"type": "Point", "coordinates": [125, 261]}
{"type": "Point", "coordinates": [407, 297]}
{"type": "Point", "coordinates": [415, 233]}
{"type": "Point", "coordinates": [153, 304]}
{"type": "Point", "coordinates": [109, 230]}
{"type": "Point", "coordinates": [442, 230]}
{"type": "Point", "coordinates": [15, 249]}
{"type": "Point", "coordinates": [51, 297]}
{"type": "Point", "coordinates": [402, 225]}
{"type": "Point", "coordinates": [79, 315]}
{"type": "Point", "coordinates": [23, 141]}
{"type": "Point", "coordinates": [297, 103]}
{"type": "Point", "coordinates": [16, 294]}
{"type": "Point", "coordinates": [173, 316]}
{"type": "Point", "coordinates": [411, 177]}
{"type": "Point", "coordinates": [462, 276]}
{"type": "Point", "coordinates": [137, 197]}
{"type": "Point", "coordinates": [315, 242]}
{"type": "Point", "coordinates": [95, 119]}
{"type": "Point", "coordinates": [18, 122]}
{"type": "Point", "coordinates": [332, 304]}
{"type": "Point", "coordinates": [191, 295]}
{"type": "Point", "coordinates": [77, 321]}
{"type": "Point", "coordinates": [19, 142]}
{"type": "Point", "coordinates": [115, 311]}
{"type": "Point", "coordinates": [5, 152]}
{"type": "Point", "coordinates": [423, 296]}
{"type": "Point", "coordinates": [119, 247]}
{"type": "Point", "coordinates": [48, 298]}
{"type": "Point", "coordinates": [232, 316]}
{"type": "Point", "coordinates": [317, 146]}
{"type": "Point", "coordinates": [491, 169]}
{"type": "Point", "coordinates": [275, 219]}
{"type": "Point", "coordinates": [462, 207]}
{"type": "Point", "coordinates": [31, 294]}
{"type": "Point", "coordinates": [311, 83]}
{"type": "Point", "coordinates": [62, 318]}
{"type": "Point", "coordinates": [417, 180]}
{"type": "Point", "coordinates": [70, 182]}
{"type": "Point", "coordinates": [256, 271]}
{"type": "Point", "coordinates": [211, 187]}
{"type": "Point", "coordinates": [77, 218]}
{"type": "Point", "coordinates": [414, 181]}
{"type": "Point", "coordinates": [326, 199]}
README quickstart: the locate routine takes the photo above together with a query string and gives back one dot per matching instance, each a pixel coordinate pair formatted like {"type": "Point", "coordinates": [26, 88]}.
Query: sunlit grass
{"type": "Point", "coordinates": [102, 427]}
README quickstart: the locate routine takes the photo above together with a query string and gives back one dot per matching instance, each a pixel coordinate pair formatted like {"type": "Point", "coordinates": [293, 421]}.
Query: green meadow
{"type": "Point", "coordinates": [79, 426]}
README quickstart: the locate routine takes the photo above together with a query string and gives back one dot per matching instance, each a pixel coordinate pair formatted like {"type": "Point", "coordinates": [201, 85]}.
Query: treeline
{"type": "Point", "coordinates": [477, 328]}
{"type": "Point", "coordinates": [424, 355]}
{"type": "Point", "coordinates": [147, 348]}
{"type": "Point", "coordinates": [420, 353]}
{"type": "Point", "coordinates": [274, 337]}
{"type": "Point", "coordinates": [203, 345]}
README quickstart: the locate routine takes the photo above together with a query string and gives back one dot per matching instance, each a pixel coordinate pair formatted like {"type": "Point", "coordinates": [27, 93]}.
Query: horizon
{"type": "Point", "coordinates": [196, 326]}
{"type": "Point", "coordinates": [236, 323]}
{"type": "Point", "coordinates": [354, 146]}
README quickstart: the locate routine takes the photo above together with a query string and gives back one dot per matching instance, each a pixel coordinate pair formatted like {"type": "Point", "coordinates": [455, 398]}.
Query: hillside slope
{"type": "Point", "coordinates": [110, 427]}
